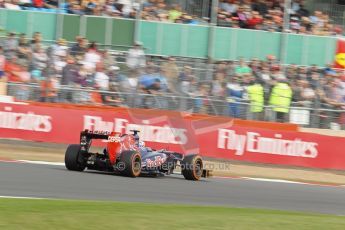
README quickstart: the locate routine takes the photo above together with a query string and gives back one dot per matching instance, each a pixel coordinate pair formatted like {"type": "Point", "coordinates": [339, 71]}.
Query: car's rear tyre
{"type": "Point", "coordinates": [130, 163]}
{"type": "Point", "coordinates": [73, 158]}
{"type": "Point", "coordinates": [192, 167]}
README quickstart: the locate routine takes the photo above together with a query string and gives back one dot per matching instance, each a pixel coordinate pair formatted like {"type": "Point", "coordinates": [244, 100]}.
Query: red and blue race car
{"type": "Point", "coordinates": [126, 155]}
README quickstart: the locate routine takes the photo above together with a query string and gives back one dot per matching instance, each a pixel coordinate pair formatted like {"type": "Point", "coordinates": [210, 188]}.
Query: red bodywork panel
{"type": "Point", "coordinates": [117, 144]}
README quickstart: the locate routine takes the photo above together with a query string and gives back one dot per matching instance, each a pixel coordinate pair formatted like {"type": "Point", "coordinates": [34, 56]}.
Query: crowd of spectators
{"type": "Point", "coordinates": [268, 15]}
{"type": "Point", "coordinates": [153, 10]}
{"type": "Point", "coordinates": [78, 73]}
{"type": "Point", "coordinates": [250, 14]}
{"type": "Point", "coordinates": [312, 87]}
{"type": "Point", "coordinates": [28, 61]}
{"type": "Point", "coordinates": [81, 73]}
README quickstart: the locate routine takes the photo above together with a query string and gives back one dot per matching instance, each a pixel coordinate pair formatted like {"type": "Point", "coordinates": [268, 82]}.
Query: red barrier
{"type": "Point", "coordinates": [209, 136]}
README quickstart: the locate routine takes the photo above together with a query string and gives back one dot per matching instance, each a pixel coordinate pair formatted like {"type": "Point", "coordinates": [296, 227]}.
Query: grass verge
{"type": "Point", "coordinates": [63, 214]}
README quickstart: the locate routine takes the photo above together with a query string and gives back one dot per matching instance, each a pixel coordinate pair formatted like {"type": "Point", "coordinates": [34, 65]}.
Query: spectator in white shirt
{"type": "Point", "coordinates": [92, 57]}
{"type": "Point", "coordinates": [136, 57]}
{"type": "Point", "coordinates": [39, 59]}
{"type": "Point", "coordinates": [12, 5]}
{"type": "Point", "coordinates": [127, 6]}
{"type": "Point", "coordinates": [101, 79]}
{"type": "Point", "coordinates": [229, 6]}
{"type": "Point", "coordinates": [10, 46]}
{"type": "Point", "coordinates": [59, 50]}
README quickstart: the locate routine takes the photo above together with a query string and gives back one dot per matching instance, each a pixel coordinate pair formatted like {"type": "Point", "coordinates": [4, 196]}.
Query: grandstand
{"type": "Point", "coordinates": [168, 55]}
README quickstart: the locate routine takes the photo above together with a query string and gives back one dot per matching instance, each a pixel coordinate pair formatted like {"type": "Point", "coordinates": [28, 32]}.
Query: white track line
{"type": "Point", "coordinates": [41, 162]}
{"type": "Point", "coordinates": [22, 197]}
{"type": "Point", "coordinates": [259, 179]}
{"type": "Point", "coordinates": [280, 181]}
{"type": "Point", "coordinates": [273, 180]}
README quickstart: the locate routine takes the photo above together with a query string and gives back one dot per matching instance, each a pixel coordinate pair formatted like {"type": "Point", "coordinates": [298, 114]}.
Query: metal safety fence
{"type": "Point", "coordinates": [200, 8]}
{"type": "Point", "coordinates": [324, 116]}
{"type": "Point", "coordinates": [334, 8]}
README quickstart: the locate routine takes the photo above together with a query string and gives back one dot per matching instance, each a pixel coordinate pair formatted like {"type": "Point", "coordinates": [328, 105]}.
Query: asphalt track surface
{"type": "Point", "coordinates": [50, 181]}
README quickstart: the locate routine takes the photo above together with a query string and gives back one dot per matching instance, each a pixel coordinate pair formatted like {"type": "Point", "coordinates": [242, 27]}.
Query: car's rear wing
{"type": "Point", "coordinates": [87, 136]}
{"type": "Point", "coordinates": [95, 134]}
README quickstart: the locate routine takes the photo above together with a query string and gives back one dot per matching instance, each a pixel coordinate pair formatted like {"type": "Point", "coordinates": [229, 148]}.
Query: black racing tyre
{"type": "Point", "coordinates": [130, 163]}
{"type": "Point", "coordinates": [192, 167]}
{"type": "Point", "coordinates": [73, 159]}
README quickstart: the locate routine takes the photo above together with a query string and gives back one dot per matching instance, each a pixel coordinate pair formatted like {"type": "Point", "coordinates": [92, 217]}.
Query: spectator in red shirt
{"type": "Point", "coordinates": [38, 3]}
{"type": "Point", "coordinates": [13, 69]}
{"type": "Point", "coordinates": [3, 78]}
{"type": "Point", "coordinates": [254, 21]}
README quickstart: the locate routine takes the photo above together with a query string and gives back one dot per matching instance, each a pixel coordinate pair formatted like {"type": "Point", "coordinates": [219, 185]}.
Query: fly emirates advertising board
{"type": "Point", "coordinates": [206, 136]}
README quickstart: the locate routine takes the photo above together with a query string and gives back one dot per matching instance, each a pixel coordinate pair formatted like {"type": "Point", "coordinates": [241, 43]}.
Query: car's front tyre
{"type": "Point", "coordinates": [192, 167]}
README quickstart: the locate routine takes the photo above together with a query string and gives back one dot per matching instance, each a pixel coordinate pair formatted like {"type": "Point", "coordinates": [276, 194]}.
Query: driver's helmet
{"type": "Point", "coordinates": [141, 144]}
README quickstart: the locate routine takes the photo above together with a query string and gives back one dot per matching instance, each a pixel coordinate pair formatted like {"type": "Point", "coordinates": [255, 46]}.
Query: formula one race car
{"type": "Point", "coordinates": [126, 155]}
